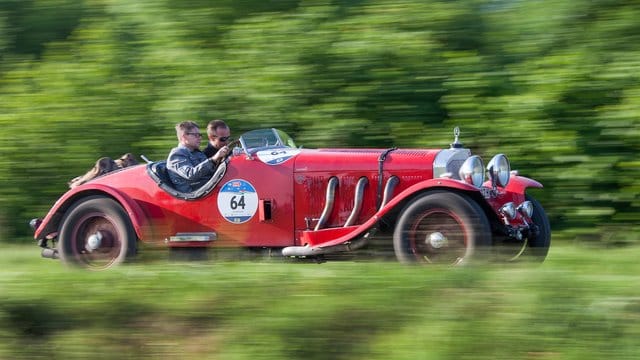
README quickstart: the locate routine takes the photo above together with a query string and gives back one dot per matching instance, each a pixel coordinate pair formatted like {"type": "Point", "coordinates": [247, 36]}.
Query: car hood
{"type": "Point", "coordinates": [318, 160]}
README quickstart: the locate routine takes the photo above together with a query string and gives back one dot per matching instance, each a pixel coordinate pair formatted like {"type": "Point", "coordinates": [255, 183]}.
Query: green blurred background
{"type": "Point", "coordinates": [552, 84]}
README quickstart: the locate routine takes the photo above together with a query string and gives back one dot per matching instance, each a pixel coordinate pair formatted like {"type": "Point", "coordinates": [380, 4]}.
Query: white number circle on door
{"type": "Point", "coordinates": [237, 201]}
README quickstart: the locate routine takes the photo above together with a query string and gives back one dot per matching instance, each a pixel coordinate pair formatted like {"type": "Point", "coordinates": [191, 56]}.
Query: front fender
{"type": "Point", "coordinates": [519, 184]}
{"type": "Point", "coordinates": [51, 222]}
{"type": "Point", "coordinates": [352, 232]}
{"type": "Point", "coordinates": [440, 183]}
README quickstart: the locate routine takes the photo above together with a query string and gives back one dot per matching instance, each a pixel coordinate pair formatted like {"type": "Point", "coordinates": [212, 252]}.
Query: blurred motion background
{"type": "Point", "coordinates": [551, 83]}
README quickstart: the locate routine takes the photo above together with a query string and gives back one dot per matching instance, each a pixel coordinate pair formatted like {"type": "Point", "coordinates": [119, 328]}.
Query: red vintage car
{"type": "Point", "coordinates": [427, 206]}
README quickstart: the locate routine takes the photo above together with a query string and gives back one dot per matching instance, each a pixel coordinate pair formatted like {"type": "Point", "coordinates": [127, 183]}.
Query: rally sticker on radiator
{"type": "Point", "coordinates": [237, 201]}
{"type": "Point", "coordinates": [276, 156]}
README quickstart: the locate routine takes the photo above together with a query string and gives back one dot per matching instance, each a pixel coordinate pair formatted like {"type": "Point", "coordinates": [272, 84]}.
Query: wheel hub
{"type": "Point", "coordinates": [437, 240]}
{"type": "Point", "coordinates": [94, 241]}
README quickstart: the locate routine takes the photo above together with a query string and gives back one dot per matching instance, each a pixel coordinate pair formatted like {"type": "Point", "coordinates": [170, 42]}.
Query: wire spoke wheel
{"type": "Point", "coordinates": [441, 228]}
{"type": "Point", "coordinates": [438, 237]}
{"type": "Point", "coordinates": [96, 234]}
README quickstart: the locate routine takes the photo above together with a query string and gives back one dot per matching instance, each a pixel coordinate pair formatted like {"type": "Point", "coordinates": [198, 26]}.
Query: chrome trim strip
{"type": "Point", "coordinates": [195, 236]}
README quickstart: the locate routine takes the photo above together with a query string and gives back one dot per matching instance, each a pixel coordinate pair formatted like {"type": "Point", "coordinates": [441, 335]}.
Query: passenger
{"type": "Point", "coordinates": [218, 133]}
{"type": "Point", "coordinates": [188, 167]}
{"type": "Point", "coordinates": [103, 166]}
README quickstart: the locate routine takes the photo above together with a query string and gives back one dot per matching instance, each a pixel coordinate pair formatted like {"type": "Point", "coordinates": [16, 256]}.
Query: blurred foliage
{"type": "Point", "coordinates": [580, 304]}
{"type": "Point", "coordinates": [551, 83]}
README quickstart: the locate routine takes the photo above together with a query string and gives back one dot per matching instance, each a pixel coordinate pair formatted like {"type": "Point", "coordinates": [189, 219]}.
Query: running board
{"type": "Point", "coordinates": [193, 239]}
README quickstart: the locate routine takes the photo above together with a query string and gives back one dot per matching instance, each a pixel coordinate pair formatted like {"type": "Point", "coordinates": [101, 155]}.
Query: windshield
{"type": "Point", "coordinates": [261, 139]}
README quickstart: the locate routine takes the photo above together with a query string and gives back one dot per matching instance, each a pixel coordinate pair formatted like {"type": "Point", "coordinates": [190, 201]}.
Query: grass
{"type": "Point", "coordinates": [580, 304]}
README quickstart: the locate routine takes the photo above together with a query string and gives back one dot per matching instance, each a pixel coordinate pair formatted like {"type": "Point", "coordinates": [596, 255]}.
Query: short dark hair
{"type": "Point", "coordinates": [214, 125]}
{"type": "Point", "coordinates": [184, 127]}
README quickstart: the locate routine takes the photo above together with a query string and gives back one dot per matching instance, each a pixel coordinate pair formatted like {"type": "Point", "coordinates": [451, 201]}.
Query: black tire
{"type": "Point", "coordinates": [442, 228]}
{"type": "Point", "coordinates": [96, 233]}
{"type": "Point", "coordinates": [538, 245]}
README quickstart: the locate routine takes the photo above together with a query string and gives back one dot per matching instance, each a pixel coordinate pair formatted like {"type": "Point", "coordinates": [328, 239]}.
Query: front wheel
{"type": "Point", "coordinates": [538, 243]}
{"type": "Point", "coordinates": [441, 228]}
{"type": "Point", "coordinates": [96, 233]}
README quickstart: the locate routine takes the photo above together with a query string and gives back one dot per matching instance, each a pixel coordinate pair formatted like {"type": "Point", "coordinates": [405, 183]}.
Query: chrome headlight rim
{"type": "Point", "coordinates": [472, 171]}
{"type": "Point", "coordinates": [499, 170]}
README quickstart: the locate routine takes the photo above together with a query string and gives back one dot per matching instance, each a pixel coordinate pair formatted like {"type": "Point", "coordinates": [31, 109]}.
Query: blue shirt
{"type": "Point", "coordinates": [189, 169]}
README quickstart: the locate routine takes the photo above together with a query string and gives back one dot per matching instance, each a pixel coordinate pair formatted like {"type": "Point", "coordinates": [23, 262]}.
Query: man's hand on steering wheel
{"type": "Point", "coordinates": [222, 153]}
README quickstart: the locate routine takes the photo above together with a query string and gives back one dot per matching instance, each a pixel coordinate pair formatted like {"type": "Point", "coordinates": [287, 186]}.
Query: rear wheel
{"type": "Point", "coordinates": [96, 233]}
{"type": "Point", "coordinates": [441, 228]}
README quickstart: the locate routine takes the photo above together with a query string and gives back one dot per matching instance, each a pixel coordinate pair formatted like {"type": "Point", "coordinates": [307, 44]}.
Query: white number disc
{"type": "Point", "coordinates": [237, 201]}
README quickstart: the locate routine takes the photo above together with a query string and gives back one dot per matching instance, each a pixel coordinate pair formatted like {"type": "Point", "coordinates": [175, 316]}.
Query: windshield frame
{"type": "Point", "coordinates": [265, 139]}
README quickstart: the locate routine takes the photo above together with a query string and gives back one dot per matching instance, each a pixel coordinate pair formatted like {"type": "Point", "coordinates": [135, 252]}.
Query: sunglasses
{"type": "Point", "coordinates": [195, 134]}
{"type": "Point", "coordinates": [223, 138]}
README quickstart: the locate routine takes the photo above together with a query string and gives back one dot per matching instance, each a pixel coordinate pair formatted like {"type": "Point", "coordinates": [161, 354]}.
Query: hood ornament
{"type": "Point", "coordinates": [456, 142]}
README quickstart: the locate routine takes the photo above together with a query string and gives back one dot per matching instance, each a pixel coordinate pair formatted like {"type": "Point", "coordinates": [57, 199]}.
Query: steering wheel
{"type": "Point", "coordinates": [230, 146]}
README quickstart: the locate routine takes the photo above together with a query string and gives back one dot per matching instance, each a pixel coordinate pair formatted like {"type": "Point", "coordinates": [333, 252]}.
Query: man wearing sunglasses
{"type": "Point", "coordinates": [219, 134]}
{"type": "Point", "coordinates": [188, 167]}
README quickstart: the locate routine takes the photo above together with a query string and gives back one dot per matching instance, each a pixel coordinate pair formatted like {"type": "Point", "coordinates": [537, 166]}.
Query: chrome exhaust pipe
{"type": "Point", "coordinates": [388, 190]}
{"type": "Point", "coordinates": [357, 201]}
{"type": "Point", "coordinates": [305, 251]}
{"type": "Point", "coordinates": [328, 205]}
{"type": "Point", "coordinates": [50, 253]}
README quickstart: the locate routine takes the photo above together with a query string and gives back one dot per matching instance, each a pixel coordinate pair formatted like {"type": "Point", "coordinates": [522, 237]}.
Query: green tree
{"type": "Point", "coordinates": [553, 84]}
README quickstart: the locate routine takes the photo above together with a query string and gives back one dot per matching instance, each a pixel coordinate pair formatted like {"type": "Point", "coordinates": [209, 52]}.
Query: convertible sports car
{"type": "Point", "coordinates": [427, 206]}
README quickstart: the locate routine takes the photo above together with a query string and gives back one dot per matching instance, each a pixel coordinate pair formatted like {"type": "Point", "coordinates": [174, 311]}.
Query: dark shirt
{"type": "Point", "coordinates": [189, 170]}
{"type": "Point", "coordinates": [209, 151]}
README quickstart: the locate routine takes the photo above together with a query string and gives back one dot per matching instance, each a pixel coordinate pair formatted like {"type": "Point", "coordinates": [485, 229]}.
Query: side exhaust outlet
{"type": "Point", "coordinates": [49, 253]}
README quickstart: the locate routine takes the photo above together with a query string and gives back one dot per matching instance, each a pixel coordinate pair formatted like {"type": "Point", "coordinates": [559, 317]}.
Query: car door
{"type": "Point", "coordinates": [253, 204]}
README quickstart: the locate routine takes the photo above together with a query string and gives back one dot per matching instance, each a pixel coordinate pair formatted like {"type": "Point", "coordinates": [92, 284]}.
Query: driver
{"type": "Point", "coordinates": [218, 133]}
{"type": "Point", "coordinates": [188, 167]}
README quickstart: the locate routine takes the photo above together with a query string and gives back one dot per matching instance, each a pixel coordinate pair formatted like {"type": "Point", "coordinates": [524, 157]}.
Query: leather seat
{"type": "Point", "coordinates": [159, 173]}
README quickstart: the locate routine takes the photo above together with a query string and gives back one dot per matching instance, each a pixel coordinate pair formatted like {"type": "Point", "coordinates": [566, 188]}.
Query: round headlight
{"type": "Point", "coordinates": [472, 171]}
{"type": "Point", "coordinates": [499, 170]}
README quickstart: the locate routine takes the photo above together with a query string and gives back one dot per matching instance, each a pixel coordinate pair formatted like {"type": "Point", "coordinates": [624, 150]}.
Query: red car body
{"type": "Point", "coordinates": [302, 202]}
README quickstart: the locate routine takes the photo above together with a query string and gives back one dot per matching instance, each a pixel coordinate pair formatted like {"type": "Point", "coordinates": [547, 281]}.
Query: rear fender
{"type": "Point", "coordinates": [51, 222]}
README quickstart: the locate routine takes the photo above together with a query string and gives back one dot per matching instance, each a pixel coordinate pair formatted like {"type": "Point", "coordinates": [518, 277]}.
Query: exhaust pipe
{"type": "Point", "coordinates": [305, 251]}
{"type": "Point", "coordinates": [357, 201]}
{"type": "Point", "coordinates": [50, 253]}
{"type": "Point", "coordinates": [328, 204]}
